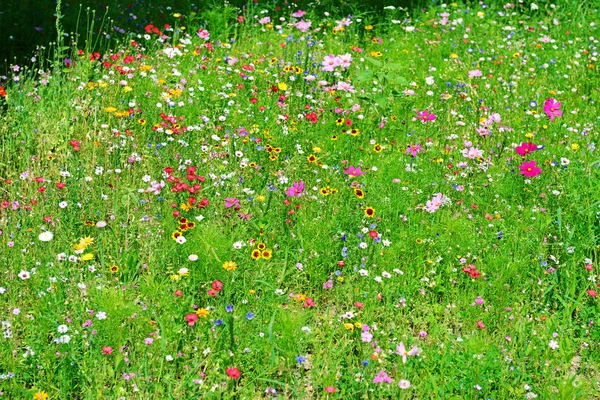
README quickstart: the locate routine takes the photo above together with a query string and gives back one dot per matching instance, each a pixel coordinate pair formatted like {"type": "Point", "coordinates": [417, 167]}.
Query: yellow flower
{"type": "Point", "coordinates": [87, 257]}
{"type": "Point", "coordinates": [86, 241]}
{"type": "Point", "coordinates": [40, 396]}
{"type": "Point", "coordinates": [453, 55]}
{"type": "Point", "coordinates": [175, 278]}
{"type": "Point", "coordinates": [229, 266]}
{"type": "Point", "coordinates": [176, 15]}
{"type": "Point", "coordinates": [261, 198]}
{"type": "Point", "coordinates": [127, 89]}
{"type": "Point", "coordinates": [529, 135]}
{"type": "Point", "coordinates": [110, 109]}
{"type": "Point", "coordinates": [114, 269]}
{"type": "Point", "coordinates": [575, 146]}
{"type": "Point", "coordinates": [79, 246]}
{"type": "Point", "coordinates": [252, 291]}
{"type": "Point", "coordinates": [369, 27]}
{"type": "Point", "coordinates": [202, 312]}
{"type": "Point", "coordinates": [349, 326]}
{"type": "Point", "coordinates": [282, 86]}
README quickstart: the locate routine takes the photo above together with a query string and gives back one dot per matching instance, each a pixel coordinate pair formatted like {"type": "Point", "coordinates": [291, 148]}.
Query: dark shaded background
{"type": "Point", "coordinates": [27, 24]}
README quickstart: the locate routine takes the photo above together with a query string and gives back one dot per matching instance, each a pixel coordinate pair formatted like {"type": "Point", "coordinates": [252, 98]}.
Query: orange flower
{"type": "Point", "coordinates": [2, 92]}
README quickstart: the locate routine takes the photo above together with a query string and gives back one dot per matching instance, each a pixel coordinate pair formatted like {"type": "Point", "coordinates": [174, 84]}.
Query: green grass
{"type": "Point", "coordinates": [495, 286]}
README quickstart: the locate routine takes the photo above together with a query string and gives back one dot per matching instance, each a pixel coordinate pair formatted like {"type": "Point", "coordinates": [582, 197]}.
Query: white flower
{"type": "Point", "coordinates": [193, 257]}
{"type": "Point", "coordinates": [101, 224]}
{"type": "Point", "coordinates": [553, 344]}
{"type": "Point", "coordinates": [169, 358]}
{"type": "Point", "coordinates": [63, 204]}
{"type": "Point", "coordinates": [62, 328]}
{"type": "Point", "coordinates": [101, 315]}
{"type": "Point", "coordinates": [46, 236]}
{"type": "Point", "coordinates": [183, 272]}
{"type": "Point", "coordinates": [2, 290]}
{"type": "Point", "coordinates": [181, 240]}
{"type": "Point", "coordinates": [65, 339]}
{"type": "Point", "coordinates": [363, 272]}
{"type": "Point", "coordinates": [279, 292]}
{"type": "Point", "coordinates": [24, 275]}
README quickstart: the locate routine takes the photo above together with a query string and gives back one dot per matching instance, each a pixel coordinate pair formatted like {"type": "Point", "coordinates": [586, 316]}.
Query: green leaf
{"type": "Point", "coordinates": [375, 62]}
{"type": "Point", "coordinates": [394, 66]}
{"type": "Point", "coordinates": [365, 75]}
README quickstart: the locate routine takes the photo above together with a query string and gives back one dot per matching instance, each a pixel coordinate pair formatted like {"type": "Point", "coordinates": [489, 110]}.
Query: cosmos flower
{"type": "Point", "coordinates": [529, 169]}
{"type": "Point", "coordinates": [552, 108]}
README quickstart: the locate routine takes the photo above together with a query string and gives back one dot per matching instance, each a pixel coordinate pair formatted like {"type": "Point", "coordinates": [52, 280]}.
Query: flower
{"type": "Point", "coordinates": [401, 350]}
{"type": "Point", "coordinates": [382, 377]}
{"type": "Point", "coordinates": [107, 350]}
{"type": "Point", "coordinates": [529, 169]}
{"type": "Point", "coordinates": [330, 389]}
{"type": "Point", "coordinates": [202, 312]}
{"type": "Point", "coordinates": [40, 396]}
{"type": "Point", "coordinates": [46, 236]}
{"type": "Point", "coordinates": [295, 190]}
{"type": "Point", "coordinates": [552, 108]}
{"type": "Point", "coordinates": [403, 384]}
{"type": "Point", "coordinates": [425, 116]}
{"type": "Point", "coordinates": [191, 319]}
{"type": "Point", "coordinates": [232, 202]}
{"type": "Point", "coordinates": [353, 172]}
{"type": "Point", "coordinates": [229, 266]}
{"type": "Point", "coordinates": [233, 373]}
{"type": "Point", "coordinates": [525, 148]}
{"type": "Point", "coordinates": [553, 344]}
{"type": "Point", "coordinates": [435, 203]}
{"type": "Point", "coordinates": [369, 212]}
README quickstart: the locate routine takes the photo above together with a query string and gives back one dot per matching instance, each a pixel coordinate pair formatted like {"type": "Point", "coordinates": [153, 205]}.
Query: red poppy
{"type": "Point", "coordinates": [2, 92]}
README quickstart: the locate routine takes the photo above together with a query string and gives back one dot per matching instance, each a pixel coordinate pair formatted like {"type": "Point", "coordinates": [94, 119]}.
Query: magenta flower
{"type": "Point", "coordinates": [435, 203]}
{"type": "Point", "coordinates": [401, 350]}
{"type": "Point", "coordinates": [529, 169]}
{"type": "Point", "coordinates": [295, 190]}
{"type": "Point", "coordinates": [353, 172]}
{"type": "Point", "coordinates": [425, 116]}
{"type": "Point", "coordinates": [232, 202]}
{"type": "Point", "coordinates": [382, 377]}
{"type": "Point", "coordinates": [552, 108]}
{"type": "Point", "coordinates": [525, 148]}
{"type": "Point", "coordinates": [413, 150]}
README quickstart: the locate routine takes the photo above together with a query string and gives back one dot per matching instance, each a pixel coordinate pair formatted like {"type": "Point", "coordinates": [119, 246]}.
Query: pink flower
{"type": "Point", "coordinates": [474, 73]}
{"type": "Point", "coordinates": [401, 350]}
{"type": "Point", "coordinates": [295, 190]}
{"type": "Point", "coordinates": [232, 202]}
{"type": "Point", "coordinates": [203, 34]}
{"type": "Point", "coordinates": [592, 293]}
{"type": "Point", "coordinates": [299, 14]}
{"type": "Point", "coordinates": [480, 325]}
{"type": "Point", "coordinates": [191, 319]}
{"type": "Point", "coordinates": [353, 172]}
{"type": "Point", "coordinates": [330, 389]}
{"type": "Point", "coordinates": [529, 169]}
{"type": "Point", "coordinates": [264, 20]}
{"type": "Point", "coordinates": [107, 350]}
{"type": "Point", "coordinates": [382, 377]}
{"type": "Point", "coordinates": [303, 26]}
{"type": "Point", "coordinates": [330, 62]}
{"type": "Point", "coordinates": [425, 116]}
{"type": "Point", "coordinates": [435, 203]}
{"type": "Point", "coordinates": [525, 148]}
{"type": "Point", "coordinates": [552, 108]}
{"type": "Point", "coordinates": [403, 384]}
{"type": "Point", "coordinates": [413, 150]}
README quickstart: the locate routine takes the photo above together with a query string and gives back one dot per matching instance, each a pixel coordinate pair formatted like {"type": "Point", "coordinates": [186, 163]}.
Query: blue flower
{"type": "Point", "coordinates": [229, 308]}
{"type": "Point", "coordinates": [300, 359]}
{"type": "Point", "coordinates": [250, 316]}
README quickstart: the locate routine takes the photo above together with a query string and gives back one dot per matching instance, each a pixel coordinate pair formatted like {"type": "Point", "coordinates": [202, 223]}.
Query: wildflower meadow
{"type": "Point", "coordinates": [278, 201]}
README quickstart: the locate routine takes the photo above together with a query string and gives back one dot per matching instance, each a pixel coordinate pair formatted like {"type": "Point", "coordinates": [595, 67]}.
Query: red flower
{"type": "Point", "coordinates": [2, 92]}
{"type": "Point", "coordinates": [178, 293]}
{"type": "Point", "coordinates": [217, 285]}
{"type": "Point", "coordinates": [592, 293]}
{"type": "Point", "coordinates": [191, 319]}
{"type": "Point", "coordinates": [233, 373]}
